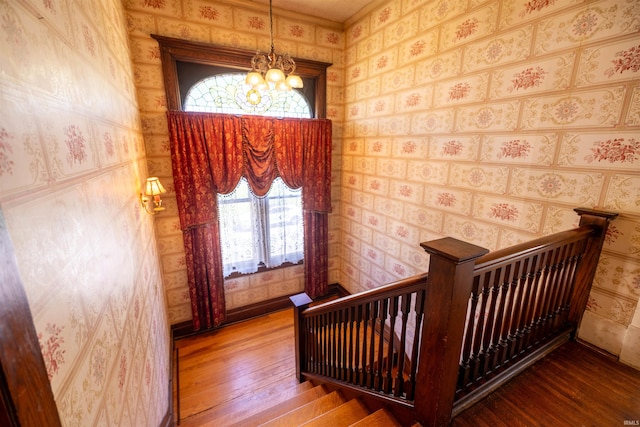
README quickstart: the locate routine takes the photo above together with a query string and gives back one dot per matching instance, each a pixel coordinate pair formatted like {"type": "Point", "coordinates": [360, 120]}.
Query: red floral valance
{"type": "Point", "coordinates": [215, 150]}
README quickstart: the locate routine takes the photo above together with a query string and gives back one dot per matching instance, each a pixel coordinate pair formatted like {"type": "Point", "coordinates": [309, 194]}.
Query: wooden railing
{"type": "Point", "coordinates": [367, 340]}
{"type": "Point", "coordinates": [431, 345]}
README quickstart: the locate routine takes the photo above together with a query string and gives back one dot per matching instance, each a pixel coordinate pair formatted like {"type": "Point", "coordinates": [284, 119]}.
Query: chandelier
{"type": "Point", "coordinates": [272, 70]}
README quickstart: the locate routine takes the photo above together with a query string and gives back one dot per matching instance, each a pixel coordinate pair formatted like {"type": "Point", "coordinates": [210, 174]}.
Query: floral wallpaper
{"type": "Point", "coordinates": [489, 121]}
{"type": "Point", "coordinates": [485, 120]}
{"type": "Point", "coordinates": [72, 161]}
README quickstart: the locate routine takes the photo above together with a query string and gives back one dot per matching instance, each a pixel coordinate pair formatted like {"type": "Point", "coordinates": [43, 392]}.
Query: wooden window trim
{"type": "Point", "coordinates": [172, 50]}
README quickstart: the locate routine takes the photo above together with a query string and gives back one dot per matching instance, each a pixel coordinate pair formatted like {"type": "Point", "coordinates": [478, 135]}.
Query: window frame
{"type": "Point", "coordinates": [173, 50]}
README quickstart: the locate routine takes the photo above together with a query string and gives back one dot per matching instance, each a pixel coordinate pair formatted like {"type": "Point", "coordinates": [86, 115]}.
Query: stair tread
{"type": "Point", "coordinates": [234, 410]}
{"type": "Point", "coordinates": [380, 418]}
{"type": "Point", "coordinates": [343, 415]}
{"type": "Point", "coordinates": [306, 396]}
{"type": "Point", "coordinates": [308, 412]}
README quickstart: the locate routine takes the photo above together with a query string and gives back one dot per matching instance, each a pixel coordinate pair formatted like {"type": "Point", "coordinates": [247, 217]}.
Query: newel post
{"type": "Point", "coordinates": [300, 303]}
{"type": "Point", "coordinates": [447, 295]}
{"type": "Point", "coordinates": [599, 221]}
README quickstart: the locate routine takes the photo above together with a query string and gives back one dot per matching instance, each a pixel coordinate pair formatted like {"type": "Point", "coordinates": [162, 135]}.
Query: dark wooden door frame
{"type": "Point", "coordinates": [26, 395]}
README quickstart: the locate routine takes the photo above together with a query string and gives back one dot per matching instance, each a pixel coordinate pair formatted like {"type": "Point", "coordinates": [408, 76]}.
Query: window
{"type": "Point", "coordinates": [260, 232]}
{"type": "Point", "coordinates": [228, 93]}
{"type": "Point", "coordinates": [255, 232]}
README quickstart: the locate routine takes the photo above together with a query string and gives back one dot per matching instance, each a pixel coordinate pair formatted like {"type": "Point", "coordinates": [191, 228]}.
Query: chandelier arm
{"type": "Point", "coordinates": [269, 63]}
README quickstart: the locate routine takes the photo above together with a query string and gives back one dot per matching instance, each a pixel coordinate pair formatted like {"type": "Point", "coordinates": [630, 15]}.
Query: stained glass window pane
{"type": "Point", "coordinates": [228, 93]}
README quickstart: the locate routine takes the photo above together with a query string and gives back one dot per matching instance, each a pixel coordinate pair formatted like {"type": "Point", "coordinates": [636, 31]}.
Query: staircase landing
{"type": "Point", "coordinates": [244, 375]}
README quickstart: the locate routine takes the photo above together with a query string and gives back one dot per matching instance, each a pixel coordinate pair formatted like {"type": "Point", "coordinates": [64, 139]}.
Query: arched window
{"type": "Point", "coordinates": [228, 93]}
{"type": "Point", "coordinates": [255, 232]}
{"type": "Point", "coordinates": [184, 63]}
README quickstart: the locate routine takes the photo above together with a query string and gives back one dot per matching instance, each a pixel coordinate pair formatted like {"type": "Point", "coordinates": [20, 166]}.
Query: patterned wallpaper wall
{"type": "Point", "coordinates": [228, 25]}
{"type": "Point", "coordinates": [71, 165]}
{"type": "Point", "coordinates": [485, 120]}
{"type": "Point", "coordinates": [489, 121]}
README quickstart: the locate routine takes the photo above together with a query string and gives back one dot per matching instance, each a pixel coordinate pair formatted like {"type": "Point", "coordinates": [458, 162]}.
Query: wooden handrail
{"type": "Point", "coordinates": [508, 307]}
{"type": "Point", "coordinates": [392, 289]}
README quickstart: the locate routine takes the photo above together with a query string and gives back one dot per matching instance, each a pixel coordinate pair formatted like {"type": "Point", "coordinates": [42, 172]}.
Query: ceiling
{"type": "Point", "coordinates": [333, 10]}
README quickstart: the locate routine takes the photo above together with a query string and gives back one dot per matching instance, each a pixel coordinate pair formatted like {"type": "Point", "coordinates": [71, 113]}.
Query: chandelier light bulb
{"type": "Point", "coordinates": [254, 79]}
{"type": "Point", "coordinates": [274, 75]}
{"type": "Point", "coordinates": [294, 81]}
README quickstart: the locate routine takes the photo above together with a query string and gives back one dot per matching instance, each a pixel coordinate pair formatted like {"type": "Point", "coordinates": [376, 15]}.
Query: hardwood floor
{"type": "Point", "coordinates": [573, 386]}
{"type": "Point", "coordinates": [235, 371]}
{"type": "Point", "coordinates": [241, 370]}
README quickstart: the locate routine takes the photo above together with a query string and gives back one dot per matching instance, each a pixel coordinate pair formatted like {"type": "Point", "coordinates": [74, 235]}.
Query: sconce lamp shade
{"type": "Point", "coordinates": [150, 200]}
{"type": "Point", "coordinates": [154, 187]}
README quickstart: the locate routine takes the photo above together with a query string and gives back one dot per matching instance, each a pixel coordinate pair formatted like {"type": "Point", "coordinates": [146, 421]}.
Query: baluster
{"type": "Point", "coordinates": [467, 358]}
{"type": "Point", "coordinates": [326, 345]}
{"type": "Point", "coordinates": [350, 365]}
{"type": "Point", "coordinates": [334, 344]}
{"type": "Point", "coordinates": [572, 268]}
{"type": "Point", "coordinates": [381, 366]}
{"type": "Point", "coordinates": [314, 343]}
{"type": "Point", "coordinates": [517, 331]}
{"type": "Point", "coordinates": [572, 277]}
{"type": "Point", "coordinates": [373, 314]}
{"type": "Point", "coordinates": [329, 327]}
{"type": "Point", "coordinates": [343, 345]}
{"type": "Point", "coordinates": [501, 282]}
{"type": "Point", "coordinates": [478, 343]}
{"type": "Point", "coordinates": [406, 306]}
{"type": "Point", "coordinates": [358, 369]}
{"type": "Point", "coordinates": [508, 289]}
{"type": "Point", "coordinates": [527, 286]}
{"type": "Point", "coordinates": [319, 341]}
{"type": "Point", "coordinates": [493, 316]}
{"type": "Point", "coordinates": [416, 344]}
{"type": "Point", "coordinates": [557, 271]}
{"type": "Point", "coordinates": [531, 301]}
{"type": "Point", "coordinates": [393, 312]}
{"type": "Point", "coordinates": [309, 344]}
{"type": "Point", "coordinates": [541, 295]}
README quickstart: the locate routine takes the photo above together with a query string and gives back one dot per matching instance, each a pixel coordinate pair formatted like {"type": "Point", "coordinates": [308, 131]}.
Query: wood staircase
{"type": "Point", "coordinates": [315, 406]}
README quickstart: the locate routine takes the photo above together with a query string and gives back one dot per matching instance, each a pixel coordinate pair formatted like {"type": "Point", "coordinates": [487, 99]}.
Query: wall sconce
{"type": "Point", "coordinates": [151, 194]}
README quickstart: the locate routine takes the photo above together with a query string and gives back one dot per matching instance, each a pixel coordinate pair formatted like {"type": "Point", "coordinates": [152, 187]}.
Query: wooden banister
{"type": "Point", "coordinates": [300, 303]}
{"type": "Point", "coordinates": [450, 266]}
{"type": "Point", "coordinates": [394, 288]}
{"type": "Point", "coordinates": [598, 221]}
{"type": "Point", "coordinates": [430, 345]}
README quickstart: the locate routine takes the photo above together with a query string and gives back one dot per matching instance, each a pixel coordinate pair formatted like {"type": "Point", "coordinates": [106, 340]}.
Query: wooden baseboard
{"type": "Point", "coordinates": [185, 329]}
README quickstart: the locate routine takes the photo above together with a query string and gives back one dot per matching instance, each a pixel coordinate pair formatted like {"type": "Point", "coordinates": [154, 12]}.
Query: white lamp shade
{"type": "Point", "coordinates": [254, 79]}
{"type": "Point", "coordinates": [154, 187]}
{"type": "Point", "coordinates": [294, 81]}
{"type": "Point", "coordinates": [282, 85]}
{"type": "Point", "coordinates": [274, 75]}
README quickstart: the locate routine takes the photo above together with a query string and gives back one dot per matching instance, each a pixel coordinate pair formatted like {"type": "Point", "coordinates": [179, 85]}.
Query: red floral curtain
{"type": "Point", "coordinates": [210, 153]}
